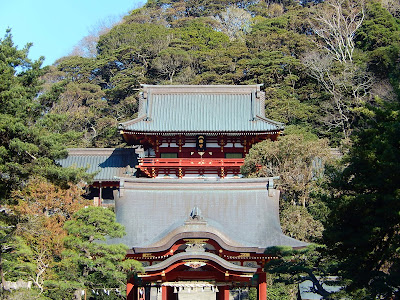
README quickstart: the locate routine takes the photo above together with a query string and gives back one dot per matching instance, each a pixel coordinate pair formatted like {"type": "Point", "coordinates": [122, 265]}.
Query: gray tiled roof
{"type": "Point", "coordinates": [107, 163]}
{"type": "Point", "coordinates": [202, 109]}
{"type": "Point", "coordinates": [241, 209]}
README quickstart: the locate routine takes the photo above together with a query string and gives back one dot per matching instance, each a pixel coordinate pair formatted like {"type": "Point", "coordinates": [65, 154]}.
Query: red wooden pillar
{"type": "Point", "coordinates": [262, 286]}
{"type": "Point", "coordinates": [223, 293]}
{"type": "Point", "coordinates": [164, 292]}
{"type": "Point", "coordinates": [131, 291]}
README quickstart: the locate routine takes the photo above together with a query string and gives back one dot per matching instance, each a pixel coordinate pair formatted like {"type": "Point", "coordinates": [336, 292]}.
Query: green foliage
{"type": "Point", "coordinates": [365, 241]}
{"type": "Point", "coordinates": [295, 266]}
{"type": "Point", "coordinates": [276, 45]}
{"type": "Point", "coordinates": [252, 293]}
{"type": "Point", "coordinates": [297, 160]}
{"type": "Point", "coordinates": [183, 42]}
{"type": "Point", "coordinates": [19, 80]}
{"type": "Point", "coordinates": [379, 29]}
{"type": "Point", "coordinates": [223, 66]}
{"type": "Point", "coordinates": [89, 262]}
{"type": "Point", "coordinates": [176, 10]}
{"type": "Point", "coordinates": [75, 68]}
{"type": "Point", "coordinates": [379, 37]}
{"type": "Point", "coordinates": [26, 148]}
{"type": "Point", "coordinates": [91, 224]}
{"type": "Point", "coordinates": [23, 294]}
{"type": "Point", "coordinates": [298, 223]}
{"type": "Point", "coordinates": [200, 37]}
{"type": "Point", "coordinates": [144, 40]}
{"type": "Point", "coordinates": [171, 61]}
{"type": "Point", "coordinates": [15, 256]}
{"type": "Point", "coordinates": [280, 291]}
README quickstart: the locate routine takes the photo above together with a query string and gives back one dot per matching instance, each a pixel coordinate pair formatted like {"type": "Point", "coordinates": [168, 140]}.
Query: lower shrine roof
{"type": "Point", "coordinates": [242, 212]}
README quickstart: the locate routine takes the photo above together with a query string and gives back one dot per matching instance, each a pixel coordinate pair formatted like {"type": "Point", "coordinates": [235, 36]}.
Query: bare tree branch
{"type": "Point", "coordinates": [336, 23]}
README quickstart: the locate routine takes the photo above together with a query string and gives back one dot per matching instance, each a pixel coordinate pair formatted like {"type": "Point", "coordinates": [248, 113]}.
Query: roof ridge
{"type": "Point", "coordinates": [196, 89]}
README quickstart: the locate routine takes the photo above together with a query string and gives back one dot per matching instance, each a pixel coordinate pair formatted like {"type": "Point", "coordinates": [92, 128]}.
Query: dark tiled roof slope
{"type": "Point", "coordinates": [107, 163]}
{"type": "Point", "coordinates": [242, 212]}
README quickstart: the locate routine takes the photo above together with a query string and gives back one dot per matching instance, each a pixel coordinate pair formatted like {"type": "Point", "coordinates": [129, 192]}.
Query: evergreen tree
{"type": "Point", "coordinates": [27, 149]}
{"type": "Point", "coordinates": [90, 263]}
{"type": "Point", "coordinates": [362, 230]}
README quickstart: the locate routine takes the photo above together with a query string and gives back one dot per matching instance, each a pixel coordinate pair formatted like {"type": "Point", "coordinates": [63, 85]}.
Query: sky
{"type": "Point", "coordinates": [56, 26]}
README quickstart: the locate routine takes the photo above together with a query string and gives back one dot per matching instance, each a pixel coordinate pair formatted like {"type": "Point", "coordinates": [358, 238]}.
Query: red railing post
{"type": "Point", "coordinates": [223, 165]}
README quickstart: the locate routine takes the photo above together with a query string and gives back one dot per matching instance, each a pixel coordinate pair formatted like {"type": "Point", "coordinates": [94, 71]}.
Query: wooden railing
{"type": "Point", "coordinates": [190, 162]}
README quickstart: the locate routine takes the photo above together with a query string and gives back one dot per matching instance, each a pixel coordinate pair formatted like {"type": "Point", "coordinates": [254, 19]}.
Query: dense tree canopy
{"type": "Point", "coordinates": [285, 45]}
{"type": "Point", "coordinates": [363, 230]}
{"type": "Point", "coordinates": [26, 145]}
{"type": "Point", "coordinates": [89, 263]}
{"type": "Point", "coordinates": [37, 196]}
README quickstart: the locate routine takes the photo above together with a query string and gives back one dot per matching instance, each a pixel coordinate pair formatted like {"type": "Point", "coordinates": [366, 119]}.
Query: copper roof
{"type": "Point", "coordinates": [202, 109]}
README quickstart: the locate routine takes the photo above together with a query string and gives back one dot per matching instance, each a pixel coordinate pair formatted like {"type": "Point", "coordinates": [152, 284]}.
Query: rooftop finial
{"type": "Point", "coordinates": [195, 213]}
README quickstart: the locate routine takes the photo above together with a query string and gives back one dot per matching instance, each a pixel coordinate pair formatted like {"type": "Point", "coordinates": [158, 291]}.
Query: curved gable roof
{"type": "Point", "coordinates": [242, 212]}
{"type": "Point", "coordinates": [199, 255]}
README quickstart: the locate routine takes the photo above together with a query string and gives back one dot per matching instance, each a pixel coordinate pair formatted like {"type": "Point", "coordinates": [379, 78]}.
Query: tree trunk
{"type": "Point", "coordinates": [78, 294]}
{"type": "Point", "coordinates": [3, 280]}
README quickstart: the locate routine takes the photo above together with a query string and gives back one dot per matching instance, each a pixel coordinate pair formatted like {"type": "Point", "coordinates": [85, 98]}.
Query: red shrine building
{"type": "Point", "coordinates": [191, 131]}
{"type": "Point", "coordinates": [200, 230]}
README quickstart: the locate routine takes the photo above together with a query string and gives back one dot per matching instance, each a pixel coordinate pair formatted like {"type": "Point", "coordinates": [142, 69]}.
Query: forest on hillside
{"type": "Point", "coordinates": [331, 73]}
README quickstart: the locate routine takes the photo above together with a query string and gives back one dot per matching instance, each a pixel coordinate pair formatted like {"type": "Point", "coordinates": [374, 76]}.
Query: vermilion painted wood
{"type": "Point", "coordinates": [190, 162]}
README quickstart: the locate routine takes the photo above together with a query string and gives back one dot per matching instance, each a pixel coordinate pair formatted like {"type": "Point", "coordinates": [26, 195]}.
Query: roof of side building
{"type": "Point", "coordinates": [107, 163]}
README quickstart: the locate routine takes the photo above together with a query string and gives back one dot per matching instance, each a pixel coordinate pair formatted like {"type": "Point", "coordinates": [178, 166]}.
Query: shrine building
{"type": "Point", "coordinates": [200, 230]}
{"type": "Point", "coordinates": [191, 131]}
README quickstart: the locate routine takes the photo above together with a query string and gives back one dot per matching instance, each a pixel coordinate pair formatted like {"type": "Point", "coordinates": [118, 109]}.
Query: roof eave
{"type": "Point", "coordinates": [123, 125]}
{"type": "Point", "coordinates": [211, 132]}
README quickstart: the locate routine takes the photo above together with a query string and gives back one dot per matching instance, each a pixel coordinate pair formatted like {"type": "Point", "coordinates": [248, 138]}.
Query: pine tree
{"type": "Point", "coordinates": [362, 231]}
{"type": "Point", "coordinates": [89, 262]}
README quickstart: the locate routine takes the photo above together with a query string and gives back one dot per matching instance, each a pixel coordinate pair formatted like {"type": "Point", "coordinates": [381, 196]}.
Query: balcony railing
{"type": "Point", "coordinates": [190, 162]}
